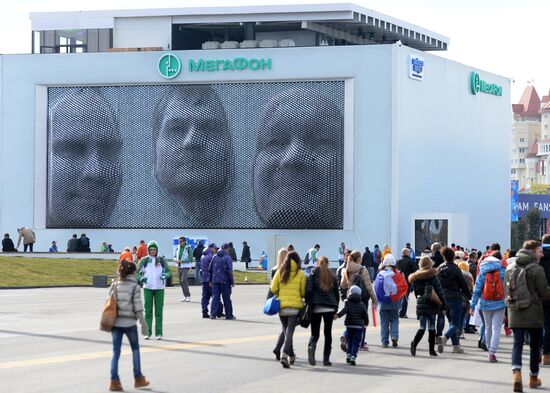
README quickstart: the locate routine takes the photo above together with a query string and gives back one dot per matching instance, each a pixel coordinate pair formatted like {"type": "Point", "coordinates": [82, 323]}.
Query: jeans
{"type": "Point", "coordinates": [440, 324]}
{"type": "Point", "coordinates": [132, 334]}
{"type": "Point", "coordinates": [546, 340]}
{"type": "Point", "coordinates": [493, 325]}
{"type": "Point", "coordinates": [375, 270]}
{"type": "Point", "coordinates": [353, 340]}
{"type": "Point", "coordinates": [197, 273]}
{"type": "Point", "coordinates": [156, 297]}
{"type": "Point", "coordinates": [285, 341]}
{"type": "Point", "coordinates": [428, 320]}
{"type": "Point", "coordinates": [29, 245]}
{"type": "Point", "coordinates": [404, 305]}
{"type": "Point", "coordinates": [454, 316]}
{"type": "Point", "coordinates": [517, 349]}
{"type": "Point", "coordinates": [389, 325]}
{"type": "Point", "coordinates": [225, 291]}
{"type": "Point", "coordinates": [182, 273]}
{"type": "Point", "coordinates": [482, 336]}
{"type": "Point", "coordinates": [327, 318]}
{"type": "Point", "coordinates": [206, 295]}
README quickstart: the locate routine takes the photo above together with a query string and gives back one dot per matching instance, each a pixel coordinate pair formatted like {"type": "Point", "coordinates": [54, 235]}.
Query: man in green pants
{"type": "Point", "coordinates": [152, 274]}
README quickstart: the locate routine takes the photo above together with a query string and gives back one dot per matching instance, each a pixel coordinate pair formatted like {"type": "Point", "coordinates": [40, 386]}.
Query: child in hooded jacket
{"type": "Point", "coordinates": [356, 319]}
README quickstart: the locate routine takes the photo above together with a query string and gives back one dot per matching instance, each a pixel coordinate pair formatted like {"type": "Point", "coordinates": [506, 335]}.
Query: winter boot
{"type": "Point", "coordinates": [116, 386]}
{"type": "Point", "coordinates": [284, 360]}
{"type": "Point", "coordinates": [517, 384]}
{"type": "Point", "coordinates": [416, 340]}
{"type": "Point", "coordinates": [534, 382]}
{"type": "Point", "coordinates": [457, 349]}
{"type": "Point", "coordinates": [546, 359]}
{"type": "Point", "coordinates": [141, 382]}
{"type": "Point", "coordinates": [431, 342]}
{"type": "Point", "coordinates": [311, 351]}
{"type": "Point", "coordinates": [441, 344]}
{"type": "Point", "coordinates": [326, 357]}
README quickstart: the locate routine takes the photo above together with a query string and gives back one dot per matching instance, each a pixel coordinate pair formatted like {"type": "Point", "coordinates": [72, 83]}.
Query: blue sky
{"type": "Point", "coordinates": [507, 37]}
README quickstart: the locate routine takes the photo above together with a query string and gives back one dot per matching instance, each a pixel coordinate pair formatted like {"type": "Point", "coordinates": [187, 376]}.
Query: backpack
{"type": "Point", "coordinates": [390, 288]}
{"type": "Point", "coordinates": [307, 258]}
{"type": "Point", "coordinates": [161, 260]}
{"type": "Point", "coordinates": [493, 288]}
{"type": "Point", "coordinates": [518, 296]}
{"type": "Point", "coordinates": [358, 281]}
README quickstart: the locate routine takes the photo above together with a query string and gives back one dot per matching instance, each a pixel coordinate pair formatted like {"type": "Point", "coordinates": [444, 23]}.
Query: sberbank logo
{"type": "Point", "coordinates": [478, 85]}
{"type": "Point", "coordinates": [169, 66]}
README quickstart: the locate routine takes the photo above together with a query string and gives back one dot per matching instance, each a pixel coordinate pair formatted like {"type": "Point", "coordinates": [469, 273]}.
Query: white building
{"type": "Point", "coordinates": [415, 128]}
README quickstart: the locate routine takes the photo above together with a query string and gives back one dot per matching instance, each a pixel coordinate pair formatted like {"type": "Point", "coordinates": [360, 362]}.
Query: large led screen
{"type": "Point", "coordinates": [228, 155]}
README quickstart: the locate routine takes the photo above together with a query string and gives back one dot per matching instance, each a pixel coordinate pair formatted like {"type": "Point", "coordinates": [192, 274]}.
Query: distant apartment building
{"type": "Point", "coordinates": [531, 139]}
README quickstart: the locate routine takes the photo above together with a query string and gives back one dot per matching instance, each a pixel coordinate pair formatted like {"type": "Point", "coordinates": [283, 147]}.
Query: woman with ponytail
{"type": "Point", "coordinates": [322, 296]}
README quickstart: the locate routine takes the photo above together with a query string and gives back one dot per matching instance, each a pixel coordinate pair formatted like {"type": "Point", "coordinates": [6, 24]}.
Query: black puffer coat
{"type": "Point", "coordinates": [453, 282]}
{"type": "Point", "coordinates": [355, 311]}
{"type": "Point", "coordinates": [421, 279]}
{"type": "Point", "coordinates": [315, 296]}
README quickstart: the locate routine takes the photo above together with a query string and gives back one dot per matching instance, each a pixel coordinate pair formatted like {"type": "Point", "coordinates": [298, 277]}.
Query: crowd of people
{"type": "Point", "coordinates": [453, 286]}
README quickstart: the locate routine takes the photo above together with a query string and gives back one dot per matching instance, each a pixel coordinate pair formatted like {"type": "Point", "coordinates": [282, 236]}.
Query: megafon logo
{"type": "Point", "coordinates": [169, 66]}
{"type": "Point", "coordinates": [478, 85]}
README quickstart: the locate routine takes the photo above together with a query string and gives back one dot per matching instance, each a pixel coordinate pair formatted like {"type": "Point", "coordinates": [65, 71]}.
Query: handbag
{"type": "Point", "coordinates": [108, 316]}
{"type": "Point", "coordinates": [304, 316]}
{"type": "Point", "coordinates": [434, 298]}
{"type": "Point", "coordinates": [272, 305]}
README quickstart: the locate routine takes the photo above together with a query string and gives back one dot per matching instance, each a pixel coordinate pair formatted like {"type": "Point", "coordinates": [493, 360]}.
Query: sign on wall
{"type": "Point", "coordinates": [416, 67]}
{"type": "Point", "coordinates": [429, 231]}
{"type": "Point", "coordinates": [478, 85]}
{"type": "Point", "coordinates": [534, 201]}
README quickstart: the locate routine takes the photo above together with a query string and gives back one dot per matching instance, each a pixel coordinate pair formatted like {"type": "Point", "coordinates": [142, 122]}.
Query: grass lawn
{"type": "Point", "coordinates": [23, 272]}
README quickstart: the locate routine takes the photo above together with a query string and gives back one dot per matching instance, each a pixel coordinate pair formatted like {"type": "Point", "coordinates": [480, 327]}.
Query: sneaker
{"type": "Point", "coordinates": [385, 345]}
{"type": "Point", "coordinates": [284, 360]}
{"type": "Point", "coordinates": [231, 318]}
{"type": "Point", "coordinates": [441, 343]}
{"type": "Point", "coordinates": [343, 344]}
{"type": "Point", "coordinates": [291, 359]}
{"type": "Point", "coordinates": [457, 349]}
{"type": "Point", "coordinates": [146, 337]}
{"type": "Point", "coordinates": [352, 361]}
{"type": "Point", "coordinates": [492, 358]}
{"type": "Point", "coordinates": [159, 338]}
{"type": "Point", "coordinates": [348, 359]}
{"type": "Point", "coordinates": [188, 299]}
{"type": "Point", "coordinates": [394, 342]}
{"type": "Point", "coordinates": [206, 315]}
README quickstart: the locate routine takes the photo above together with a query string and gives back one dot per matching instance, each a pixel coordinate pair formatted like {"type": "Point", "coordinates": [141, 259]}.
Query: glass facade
{"type": "Point", "coordinates": [72, 41]}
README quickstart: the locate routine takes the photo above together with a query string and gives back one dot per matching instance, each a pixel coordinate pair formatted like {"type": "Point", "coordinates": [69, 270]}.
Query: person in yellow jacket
{"type": "Point", "coordinates": [289, 285]}
{"type": "Point", "coordinates": [386, 251]}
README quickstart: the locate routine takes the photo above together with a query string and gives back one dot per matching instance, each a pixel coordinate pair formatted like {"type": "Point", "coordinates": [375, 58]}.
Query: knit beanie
{"type": "Point", "coordinates": [389, 260]}
{"type": "Point", "coordinates": [355, 289]}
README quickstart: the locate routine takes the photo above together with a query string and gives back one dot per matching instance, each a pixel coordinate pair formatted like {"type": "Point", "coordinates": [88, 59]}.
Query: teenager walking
{"type": "Point", "coordinates": [289, 285]}
{"type": "Point", "coordinates": [430, 299]}
{"type": "Point", "coordinates": [322, 296]}
{"type": "Point", "coordinates": [129, 309]}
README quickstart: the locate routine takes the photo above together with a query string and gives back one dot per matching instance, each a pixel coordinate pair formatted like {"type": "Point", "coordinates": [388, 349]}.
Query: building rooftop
{"type": "Point", "coordinates": [348, 23]}
{"type": "Point", "coordinates": [529, 104]}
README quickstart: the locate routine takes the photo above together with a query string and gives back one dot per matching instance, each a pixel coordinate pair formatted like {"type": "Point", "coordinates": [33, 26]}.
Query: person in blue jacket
{"type": "Point", "coordinates": [491, 303]}
{"type": "Point", "coordinates": [221, 281]}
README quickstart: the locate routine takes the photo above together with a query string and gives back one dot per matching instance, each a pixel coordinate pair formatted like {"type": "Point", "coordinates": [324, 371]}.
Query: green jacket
{"type": "Point", "coordinates": [145, 260]}
{"type": "Point", "coordinates": [532, 316]}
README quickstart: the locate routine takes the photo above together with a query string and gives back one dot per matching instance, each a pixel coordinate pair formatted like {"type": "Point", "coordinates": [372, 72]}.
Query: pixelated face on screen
{"type": "Point", "coordinates": [84, 164]}
{"type": "Point", "coordinates": [192, 143]}
{"type": "Point", "coordinates": [298, 166]}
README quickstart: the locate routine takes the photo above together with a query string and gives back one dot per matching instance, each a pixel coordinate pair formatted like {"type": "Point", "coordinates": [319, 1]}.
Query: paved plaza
{"type": "Point", "coordinates": [50, 342]}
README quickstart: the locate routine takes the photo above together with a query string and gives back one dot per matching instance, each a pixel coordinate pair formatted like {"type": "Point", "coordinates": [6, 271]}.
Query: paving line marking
{"type": "Point", "coordinates": [161, 348]}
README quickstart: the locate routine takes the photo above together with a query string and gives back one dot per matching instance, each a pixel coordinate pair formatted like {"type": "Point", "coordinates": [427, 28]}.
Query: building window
{"type": "Point", "coordinates": [546, 126]}
{"type": "Point", "coordinates": [513, 172]}
{"type": "Point", "coordinates": [522, 149]}
{"type": "Point", "coordinates": [521, 160]}
{"type": "Point", "coordinates": [521, 140]}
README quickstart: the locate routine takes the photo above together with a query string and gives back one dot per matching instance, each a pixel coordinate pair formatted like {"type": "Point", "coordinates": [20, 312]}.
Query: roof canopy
{"type": "Point", "coordinates": [348, 22]}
